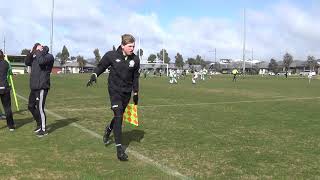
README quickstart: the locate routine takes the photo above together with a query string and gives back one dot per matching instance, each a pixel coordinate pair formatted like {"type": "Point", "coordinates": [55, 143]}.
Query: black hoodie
{"type": "Point", "coordinates": [41, 63]}
{"type": "Point", "coordinates": [4, 70]}
{"type": "Point", "coordinates": [124, 74]}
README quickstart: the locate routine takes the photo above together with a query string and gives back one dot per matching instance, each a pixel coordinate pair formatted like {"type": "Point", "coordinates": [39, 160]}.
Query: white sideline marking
{"type": "Point", "coordinates": [137, 155]}
{"type": "Point", "coordinates": [233, 102]}
{"type": "Point", "coordinates": [213, 103]}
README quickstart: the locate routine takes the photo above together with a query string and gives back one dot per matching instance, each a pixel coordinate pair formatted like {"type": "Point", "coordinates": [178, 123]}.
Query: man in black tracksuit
{"type": "Point", "coordinates": [5, 71]}
{"type": "Point", "coordinates": [41, 62]}
{"type": "Point", "coordinates": [122, 81]}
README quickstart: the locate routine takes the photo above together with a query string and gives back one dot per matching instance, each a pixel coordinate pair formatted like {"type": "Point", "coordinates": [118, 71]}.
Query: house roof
{"type": "Point", "coordinates": [298, 63]}
{"type": "Point", "coordinates": [71, 64]}
{"type": "Point", "coordinates": [235, 65]}
{"type": "Point", "coordinates": [56, 64]}
{"type": "Point", "coordinates": [149, 66]}
{"type": "Point", "coordinates": [172, 66]}
{"type": "Point", "coordinates": [263, 65]}
{"type": "Point", "coordinates": [88, 65]}
{"type": "Point", "coordinates": [76, 64]}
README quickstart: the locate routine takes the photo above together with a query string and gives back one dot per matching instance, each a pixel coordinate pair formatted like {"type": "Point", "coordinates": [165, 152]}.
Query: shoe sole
{"type": "Point", "coordinates": [107, 143]}
{"type": "Point", "coordinates": [42, 135]}
{"type": "Point", "coordinates": [36, 130]}
{"type": "Point", "coordinates": [123, 159]}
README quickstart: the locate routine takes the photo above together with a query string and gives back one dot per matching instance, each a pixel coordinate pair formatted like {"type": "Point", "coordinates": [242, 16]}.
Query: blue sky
{"type": "Point", "coordinates": [188, 27]}
{"type": "Point", "coordinates": [169, 10]}
{"type": "Point", "coordinates": [230, 9]}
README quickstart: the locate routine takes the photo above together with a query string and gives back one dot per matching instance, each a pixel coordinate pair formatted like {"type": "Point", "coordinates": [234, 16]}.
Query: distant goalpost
{"type": "Point", "coordinates": [159, 63]}
{"type": "Point", "coordinates": [155, 63]}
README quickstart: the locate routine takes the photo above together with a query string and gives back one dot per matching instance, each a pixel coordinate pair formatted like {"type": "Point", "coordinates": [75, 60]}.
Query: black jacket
{"type": "Point", "coordinates": [4, 72]}
{"type": "Point", "coordinates": [124, 74]}
{"type": "Point", "coordinates": [41, 63]}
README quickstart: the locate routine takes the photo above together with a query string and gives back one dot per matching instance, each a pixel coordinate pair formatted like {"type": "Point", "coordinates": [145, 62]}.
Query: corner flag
{"type": "Point", "coordinates": [131, 114]}
{"type": "Point", "coordinates": [9, 78]}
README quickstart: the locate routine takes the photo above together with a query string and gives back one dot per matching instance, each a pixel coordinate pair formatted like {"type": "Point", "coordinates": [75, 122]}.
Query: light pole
{"type": "Point", "coordinates": [251, 57]}
{"type": "Point", "coordinates": [244, 42]}
{"type": "Point", "coordinates": [163, 56]}
{"type": "Point", "coordinates": [215, 54]}
{"type": "Point", "coordinates": [4, 44]}
{"type": "Point", "coordinates": [51, 33]}
{"type": "Point", "coordinates": [139, 50]}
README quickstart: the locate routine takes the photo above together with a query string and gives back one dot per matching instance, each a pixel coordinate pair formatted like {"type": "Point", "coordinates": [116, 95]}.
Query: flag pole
{"type": "Point", "coordinates": [12, 85]}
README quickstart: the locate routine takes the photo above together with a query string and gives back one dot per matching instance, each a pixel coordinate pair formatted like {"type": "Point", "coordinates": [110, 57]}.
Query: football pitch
{"type": "Point", "coordinates": [256, 128]}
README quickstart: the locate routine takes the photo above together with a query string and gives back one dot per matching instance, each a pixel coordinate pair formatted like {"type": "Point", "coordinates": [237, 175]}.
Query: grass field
{"type": "Point", "coordinates": [256, 128]}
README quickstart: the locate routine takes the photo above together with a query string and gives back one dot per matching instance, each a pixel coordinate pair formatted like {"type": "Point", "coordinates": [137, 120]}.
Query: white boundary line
{"type": "Point", "coordinates": [137, 155]}
{"type": "Point", "coordinates": [234, 102]}
{"type": "Point", "coordinates": [213, 103]}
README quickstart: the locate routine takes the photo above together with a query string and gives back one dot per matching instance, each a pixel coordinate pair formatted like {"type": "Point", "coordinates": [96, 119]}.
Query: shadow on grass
{"type": "Point", "coordinates": [133, 135]}
{"type": "Point", "coordinates": [51, 127]}
{"type": "Point", "coordinates": [21, 122]}
{"type": "Point", "coordinates": [20, 111]}
{"type": "Point", "coordinates": [57, 124]}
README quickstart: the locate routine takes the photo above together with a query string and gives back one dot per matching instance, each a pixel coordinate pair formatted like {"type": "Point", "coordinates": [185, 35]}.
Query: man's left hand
{"type": "Point", "coordinates": [93, 78]}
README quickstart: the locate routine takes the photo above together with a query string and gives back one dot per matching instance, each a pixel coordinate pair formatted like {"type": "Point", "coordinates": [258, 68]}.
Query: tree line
{"type": "Point", "coordinates": [162, 56]}
{"type": "Point", "coordinates": [287, 61]}
{"type": "Point", "coordinates": [64, 56]}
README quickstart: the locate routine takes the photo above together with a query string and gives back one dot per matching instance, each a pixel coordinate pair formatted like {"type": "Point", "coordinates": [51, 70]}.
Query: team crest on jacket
{"type": "Point", "coordinates": [131, 63]}
{"type": "Point", "coordinates": [118, 60]}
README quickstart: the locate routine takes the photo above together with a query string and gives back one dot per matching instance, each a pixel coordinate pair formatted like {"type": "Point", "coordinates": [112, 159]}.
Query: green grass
{"type": "Point", "coordinates": [256, 128]}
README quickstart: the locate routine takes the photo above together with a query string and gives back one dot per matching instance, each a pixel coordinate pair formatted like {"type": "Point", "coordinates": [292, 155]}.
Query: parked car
{"type": "Point", "coordinates": [306, 73]}
{"type": "Point", "coordinates": [283, 73]}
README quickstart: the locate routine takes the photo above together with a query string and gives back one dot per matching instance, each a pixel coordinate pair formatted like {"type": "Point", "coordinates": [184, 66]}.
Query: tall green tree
{"type": "Point", "coordinates": [64, 55]}
{"type": "Point", "coordinates": [152, 58]}
{"type": "Point", "coordinates": [200, 61]}
{"type": "Point", "coordinates": [97, 56]}
{"type": "Point", "coordinates": [287, 60]}
{"type": "Point", "coordinates": [81, 62]}
{"type": "Point", "coordinates": [58, 55]}
{"type": "Point", "coordinates": [273, 66]}
{"type": "Point", "coordinates": [311, 60]}
{"type": "Point", "coordinates": [191, 61]}
{"type": "Point", "coordinates": [25, 51]}
{"type": "Point", "coordinates": [179, 60]}
{"type": "Point", "coordinates": [164, 58]}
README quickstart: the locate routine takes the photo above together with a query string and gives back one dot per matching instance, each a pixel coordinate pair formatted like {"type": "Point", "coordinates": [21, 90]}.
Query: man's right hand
{"type": "Point", "coordinates": [93, 78]}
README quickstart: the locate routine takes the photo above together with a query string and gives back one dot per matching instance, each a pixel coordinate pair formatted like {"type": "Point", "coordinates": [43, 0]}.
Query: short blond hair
{"type": "Point", "coordinates": [127, 39]}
